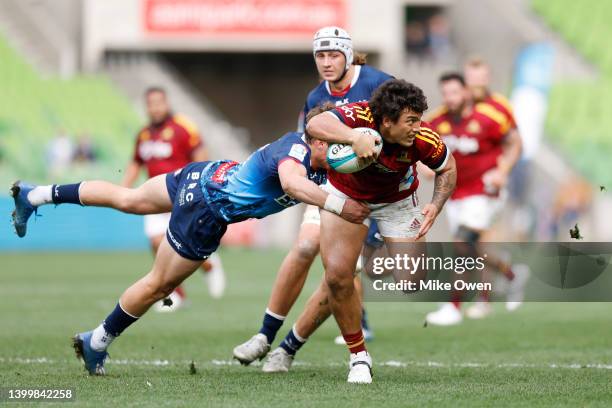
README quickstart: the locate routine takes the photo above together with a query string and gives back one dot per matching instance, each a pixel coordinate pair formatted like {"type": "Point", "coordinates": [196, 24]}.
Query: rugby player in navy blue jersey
{"type": "Point", "coordinates": [204, 197]}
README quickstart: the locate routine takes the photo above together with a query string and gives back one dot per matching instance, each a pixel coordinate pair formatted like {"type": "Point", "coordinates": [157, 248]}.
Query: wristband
{"type": "Point", "coordinates": [334, 204]}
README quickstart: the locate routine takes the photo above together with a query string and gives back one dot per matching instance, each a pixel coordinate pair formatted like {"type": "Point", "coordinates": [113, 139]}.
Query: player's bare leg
{"type": "Point", "coordinates": [169, 270]}
{"type": "Point", "coordinates": [294, 270]}
{"type": "Point", "coordinates": [150, 198]}
{"type": "Point", "coordinates": [287, 287]}
{"type": "Point", "coordinates": [175, 299]}
{"type": "Point", "coordinates": [341, 243]}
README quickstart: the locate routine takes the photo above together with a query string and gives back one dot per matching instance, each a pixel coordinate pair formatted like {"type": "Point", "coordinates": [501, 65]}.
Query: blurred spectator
{"type": "Point", "coordinates": [416, 39]}
{"type": "Point", "coordinates": [439, 37]}
{"type": "Point", "coordinates": [60, 152]}
{"type": "Point", "coordinates": [427, 33]}
{"type": "Point", "coordinates": [85, 151]}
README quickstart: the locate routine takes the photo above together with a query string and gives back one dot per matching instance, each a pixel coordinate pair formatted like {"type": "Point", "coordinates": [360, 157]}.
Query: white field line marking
{"type": "Point", "coordinates": [390, 363]}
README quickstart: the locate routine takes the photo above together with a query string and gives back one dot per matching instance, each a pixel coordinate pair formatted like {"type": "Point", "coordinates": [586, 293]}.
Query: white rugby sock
{"type": "Point", "coordinates": [101, 339]}
{"type": "Point", "coordinates": [40, 195]}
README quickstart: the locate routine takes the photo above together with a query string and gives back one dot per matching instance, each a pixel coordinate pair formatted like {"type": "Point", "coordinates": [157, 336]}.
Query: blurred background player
{"type": "Point", "coordinates": [486, 150]}
{"type": "Point", "coordinates": [169, 142]}
{"type": "Point", "coordinates": [345, 79]}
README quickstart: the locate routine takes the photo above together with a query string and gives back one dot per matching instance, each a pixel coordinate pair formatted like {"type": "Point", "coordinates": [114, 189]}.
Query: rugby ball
{"type": "Point", "coordinates": [343, 159]}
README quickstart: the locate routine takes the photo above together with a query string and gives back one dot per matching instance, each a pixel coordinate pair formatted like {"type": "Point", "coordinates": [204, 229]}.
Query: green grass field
{"type": "Point", "coordinates": [542, 355]}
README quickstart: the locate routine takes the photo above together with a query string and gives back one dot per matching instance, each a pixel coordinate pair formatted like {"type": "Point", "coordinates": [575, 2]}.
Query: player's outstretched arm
{"type": "Point", "coordinates": [444, 185]}
{"type": "Point", "coordinates": [295, 183]}
{"type": "Point", "coordinates": [325, 126]}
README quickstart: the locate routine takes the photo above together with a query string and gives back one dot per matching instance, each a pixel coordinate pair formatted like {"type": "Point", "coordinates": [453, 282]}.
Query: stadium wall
{"type": "Point", "coordinates": [68, 227]}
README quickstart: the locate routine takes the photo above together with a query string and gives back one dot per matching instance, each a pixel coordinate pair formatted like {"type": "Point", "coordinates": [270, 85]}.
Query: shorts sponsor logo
{"type": "Point", "coordinates": [415, 224]}
{"type": "Point", "coordinates": [182, 196]}
{"type": "Point", "coordinates": [174, 241]}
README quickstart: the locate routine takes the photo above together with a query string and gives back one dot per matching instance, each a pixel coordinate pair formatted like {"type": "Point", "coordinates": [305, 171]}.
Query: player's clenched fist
{"type": "Point", "coordinates": [354, 211]}
{"type": "Point", "coordinates": [363, 145]}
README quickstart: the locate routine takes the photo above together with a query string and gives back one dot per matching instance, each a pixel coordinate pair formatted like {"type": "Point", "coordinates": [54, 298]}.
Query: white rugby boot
{"type": "Point", "coordinates": [446, 315]}
{"type": "Point", "coordinates": [215, 278]}
{"type": "Point", "coordinates": [253, 349]}
{"type": "Point", "coordinates": [479, 310]}
{"type": "Point", "coordinates": [516, 288]}
{"type": "Point", "coordinates": [360, 368]}
{"type": "Point", "coordinates": [278, 361]}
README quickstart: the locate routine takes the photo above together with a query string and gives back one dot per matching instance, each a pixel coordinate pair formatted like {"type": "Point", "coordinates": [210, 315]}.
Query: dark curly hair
{"type": "Point", "coordinates": [395, 95]}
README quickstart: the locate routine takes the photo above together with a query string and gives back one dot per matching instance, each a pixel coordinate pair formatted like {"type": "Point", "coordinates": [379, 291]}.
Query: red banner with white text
{"type": "Point", "coordinates": [242, 17]}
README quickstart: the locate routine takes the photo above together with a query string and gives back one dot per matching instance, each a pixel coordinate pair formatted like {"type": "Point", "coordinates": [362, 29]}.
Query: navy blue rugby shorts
{"type": "Point", "coordinates": [195, 231]}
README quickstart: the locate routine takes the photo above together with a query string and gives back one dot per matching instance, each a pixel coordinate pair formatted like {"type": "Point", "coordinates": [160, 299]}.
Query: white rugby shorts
{"type": "Point", "coordinates": [401, 219]}
{"type": "Point", "coordinates": [477, 212]}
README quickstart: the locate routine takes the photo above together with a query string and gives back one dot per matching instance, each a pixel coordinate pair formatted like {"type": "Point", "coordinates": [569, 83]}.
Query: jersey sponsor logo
{"type": "Point", "coordinates": [403, 157]}
{"type": "Point", "coordinates": [318, 177]}
{"type": "Point", "coordinates": [155, 150]}
{"type": "Point", "coordinates": [286, 201]}
{"type": "Point", "coordinates": [365, 114]}
{"type": "Point", "coordinates": [221, 173]}
{"type": "Point", "coordinates": [348, 112]}
{"type": "Point", "coordinates": [342, 102]}
{"type": "Point", "coordinates": [298, 151]}
{"type": "Point", "coordinates": [462, 144]}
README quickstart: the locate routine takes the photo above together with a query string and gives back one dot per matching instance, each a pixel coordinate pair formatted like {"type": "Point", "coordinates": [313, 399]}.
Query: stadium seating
{"type": "Point", "coordinates": [34, 108]}
{"type": "Point", "coordinates": [578, 120]}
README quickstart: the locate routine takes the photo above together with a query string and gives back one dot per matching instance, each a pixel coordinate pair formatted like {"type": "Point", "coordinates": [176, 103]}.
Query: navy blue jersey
{"type": "Point", "coordinates": [253, 189]}
{"type": "Point", "coordinates": [365, 81]}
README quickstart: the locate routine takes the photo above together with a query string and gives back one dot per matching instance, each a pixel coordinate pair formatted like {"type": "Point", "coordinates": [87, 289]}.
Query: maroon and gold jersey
{"type": "Point", "coordinates": [168, 146]}
{"type": "Point", "coordinates": [502, 104]}
{"type": "Point", "coordinates": [393, 176]}
{"type": "Point", "coordinates": [475, 141]}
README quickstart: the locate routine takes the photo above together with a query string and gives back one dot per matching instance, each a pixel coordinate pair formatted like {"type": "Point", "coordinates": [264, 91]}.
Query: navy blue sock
{"type": "Point", "coordinates": [291, 344]}
{"type": "Point", "coordinates": [66, 193]}
{"type": "Point", "coordinates": [270, 326]}
{"type": "Point", "coordinates": [364, 319]}
{"type": "Point", "coordinates": [116, 322]}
